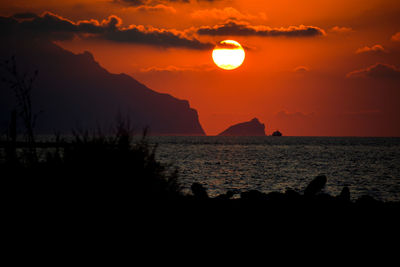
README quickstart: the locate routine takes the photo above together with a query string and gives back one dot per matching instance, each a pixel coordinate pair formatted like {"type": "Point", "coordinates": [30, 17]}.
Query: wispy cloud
{"type": "Point", "coordinates": [301, 69]}
{"type": "Point", "coordinates": [156, 8]}
{"type": "Point", "coordinates": [339, 29]}
{"type": "Point", "coordinates": [225, 14]}
{"type": "Point", "coordinates": [177, 69]}
{"type": "Point", "coordinates": [379, 71]}
{"type": "Point", "coordinates": [396, 37]}
{"type": "Point", "coordinates": [373, 49]}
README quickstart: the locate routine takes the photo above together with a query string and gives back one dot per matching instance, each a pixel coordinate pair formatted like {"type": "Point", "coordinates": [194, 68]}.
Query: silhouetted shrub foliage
{"type": "Point", "coordinates": [110, 168]}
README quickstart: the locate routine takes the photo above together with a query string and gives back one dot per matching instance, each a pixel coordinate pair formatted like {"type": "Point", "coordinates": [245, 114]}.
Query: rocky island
{"type": "Point", "coordinates": [249, 128]}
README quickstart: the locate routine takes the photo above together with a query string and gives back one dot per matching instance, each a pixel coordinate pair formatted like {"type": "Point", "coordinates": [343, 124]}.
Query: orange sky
{"type": "Point", "coordinates": [342, 81]}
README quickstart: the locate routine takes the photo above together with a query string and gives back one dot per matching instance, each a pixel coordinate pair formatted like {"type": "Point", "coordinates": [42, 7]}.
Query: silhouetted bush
{"type": "Point", "coordinates": [112, 170]}
{"type": "Point", "coordinates": [92, 165]}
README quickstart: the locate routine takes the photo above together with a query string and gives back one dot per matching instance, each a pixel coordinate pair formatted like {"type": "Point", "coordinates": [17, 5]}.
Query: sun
{"type": "Point", "coordinates": [228, 55]}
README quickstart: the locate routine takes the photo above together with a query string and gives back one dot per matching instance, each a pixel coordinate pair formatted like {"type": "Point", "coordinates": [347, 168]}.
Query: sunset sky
{"type": "Point", "coordinates": [312, 67]}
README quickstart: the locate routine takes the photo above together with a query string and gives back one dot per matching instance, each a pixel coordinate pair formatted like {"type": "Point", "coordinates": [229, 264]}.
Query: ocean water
{"type": "Point", "coordinates": [368, 166]}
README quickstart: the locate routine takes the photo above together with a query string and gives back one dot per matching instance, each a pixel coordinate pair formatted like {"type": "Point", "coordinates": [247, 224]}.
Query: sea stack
{"type": "Point", "coordinates": [249, 128]}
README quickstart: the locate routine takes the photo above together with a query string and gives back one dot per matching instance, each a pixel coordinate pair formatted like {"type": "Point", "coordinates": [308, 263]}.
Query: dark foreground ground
{"type": "Point", "coordinates": [96, 186]}
{"type": "Point", "coordinates": [84, 194]}
{"type": "Point", "coordinates": [100, 215]}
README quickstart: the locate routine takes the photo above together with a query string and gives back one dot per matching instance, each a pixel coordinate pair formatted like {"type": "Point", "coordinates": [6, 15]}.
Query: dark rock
{"type": "Point", "coordinates": [199, 192]}
{"type": "Point", "coordinates": [277, 133]}
{"type": "Point", "coordinates": [250, 128]}
{"type": "Point", "coordinates": [292, 195]}
{"type": "Point", "coordinates": [324, 198]}
{"type": "Point", "coordinates": [367, 201]}
{"type": "Point", "coordinates": [226, 196]}
{"type": "Point", "coordinates": [253, 195]}
{"type": "Point", "coordinates": [315, 186]}
{"type": "Point", "coordinates": [345, 194]}
{"type": "Point", "coordinates": [276, 197]}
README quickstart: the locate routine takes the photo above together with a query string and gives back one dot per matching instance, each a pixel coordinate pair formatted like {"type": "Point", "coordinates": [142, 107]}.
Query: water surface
{"type": "Point", "coordinates": [367, 165]}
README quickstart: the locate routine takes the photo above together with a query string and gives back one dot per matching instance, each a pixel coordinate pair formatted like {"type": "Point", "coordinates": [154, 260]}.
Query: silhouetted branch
{"type": "Point", "coordinates": [22, 86]}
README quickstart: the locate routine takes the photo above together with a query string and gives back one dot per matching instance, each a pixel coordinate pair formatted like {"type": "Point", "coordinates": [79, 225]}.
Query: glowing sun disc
{"type": "Point", "coordinates": [228, 55]}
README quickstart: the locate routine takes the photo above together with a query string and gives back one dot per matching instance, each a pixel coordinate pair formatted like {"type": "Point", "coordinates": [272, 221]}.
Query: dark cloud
{"type": "Point", "coordinates": [152, 2]}
{"type": "Point", "coordinates": [224, 45]}
{"type": "Point", "coordinates": [379, 70]}
{"type": "Point", "coordinates": [245, 29]}
{"type": "Point", "coordinates": [48, 23]}
{"type": "Point", "coordinates": [154, 36]}
{"type": "Point", "coordinates": [25, 15]}
{"type": "Point", "coordinates": [55, 27]}
{"type": "Point", "coordinates": [132, 2]}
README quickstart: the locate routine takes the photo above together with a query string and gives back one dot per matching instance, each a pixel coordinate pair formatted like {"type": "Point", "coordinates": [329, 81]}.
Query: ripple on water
{"type": "Point", "coordinates": [367, 165]}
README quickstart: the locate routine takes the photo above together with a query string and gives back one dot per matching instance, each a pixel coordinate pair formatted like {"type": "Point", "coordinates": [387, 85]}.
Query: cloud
{"type": "Point", "coordinates": [396, 37]}
{"type": "Point", "coordinates": [131, 2]}
{"type": "Point", "coordinates": [148, 6]}
{"type": "Point", "coordinates": [339, 29]}
{"type": "Point", "coordinates": [301, 69]}
{"type": "Point", "coordinates": [225, 14]}
{"type": "Point", "coordinates": [285, 115]}
{"type": "Point", "coordinates": [226, 45]}
{"type": "Point", "coordinates": [364, 112]}
{"type": "Point", "coordinates": [55, 27]}
{"type": "Point", "coordinates": [373, 49]}
{"type": "Point", "coordinates": [156, 8]}
{"type": "Point", "coordinates": [176, 69]}
{"type": "Point", "coordinates": [378, 71]}
{"type": "Point", "coordinates": [155, 2]}
{"type": "Point", "coordinates": [236, 28]}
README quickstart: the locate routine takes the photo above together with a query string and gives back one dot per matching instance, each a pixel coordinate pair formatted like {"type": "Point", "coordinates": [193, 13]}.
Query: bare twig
{"type": "Point", "coordinates": [22, 86]}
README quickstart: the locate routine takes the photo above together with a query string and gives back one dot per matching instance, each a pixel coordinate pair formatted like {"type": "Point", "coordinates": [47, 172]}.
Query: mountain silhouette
{"type": "Point", "coordinates": [73, 90]}
{"type": "Point", "coordinates": [250, 128]}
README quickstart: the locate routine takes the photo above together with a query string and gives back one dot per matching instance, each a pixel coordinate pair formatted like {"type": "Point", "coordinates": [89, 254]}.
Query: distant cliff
{"type": "Point", "coordinates": [250, 128]}
{"type": "Point", "coordinates": [74, 91]}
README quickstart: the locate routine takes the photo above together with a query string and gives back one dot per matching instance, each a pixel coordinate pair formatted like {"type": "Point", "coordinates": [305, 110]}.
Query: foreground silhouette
{"type": "Point", "coordinates": [117, 173]}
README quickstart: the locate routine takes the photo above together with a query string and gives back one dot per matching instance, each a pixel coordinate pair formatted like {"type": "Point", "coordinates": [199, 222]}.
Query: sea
{"type": "Point", "coordinates": [368, 166]}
